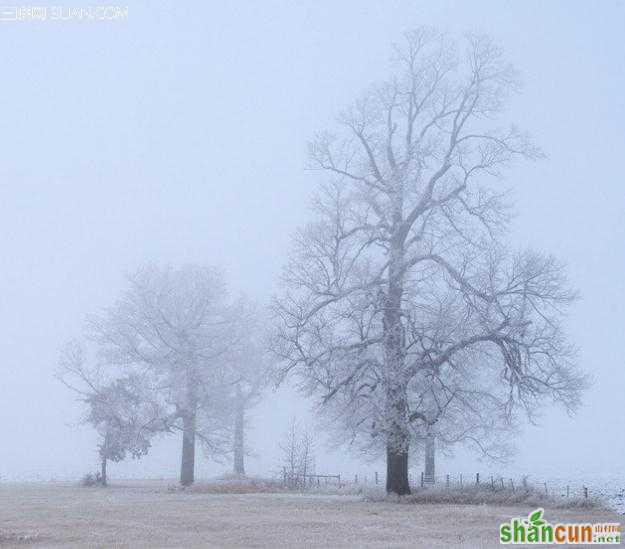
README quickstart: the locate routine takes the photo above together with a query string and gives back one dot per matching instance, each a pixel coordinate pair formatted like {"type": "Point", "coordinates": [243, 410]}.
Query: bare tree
{"type": "Point", "coordinates": [458, 408]}
{"type": "Point", "coordinates": [250, 366]}
{"type": "Point", "coordinates": [402, 287]}
{"type": "Point", "coordinates": [176, 327]}
{"type": "Point", "coordinates": [121, 409]}
{"type": "Point", "coordinates": [298, 460]}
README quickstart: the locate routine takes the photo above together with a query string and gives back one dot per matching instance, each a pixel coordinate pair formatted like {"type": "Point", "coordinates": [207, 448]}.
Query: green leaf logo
{"type": "Point", "coordinates": [535, 518]}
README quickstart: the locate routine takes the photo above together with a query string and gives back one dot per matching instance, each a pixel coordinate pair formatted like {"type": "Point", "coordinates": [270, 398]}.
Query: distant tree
{"type": "Point", "coordinates": [121, 410]}
{"type": "Point", "coordinates": [457, 409]}
{"type": "Point", "coordinates": [250, 366]}
{"type": "Point", "coordinates": [403, 287]}
{"type": "Point", "coordinates": [176, 327]}
{"type": "Point", "coordinates": [476, 419]}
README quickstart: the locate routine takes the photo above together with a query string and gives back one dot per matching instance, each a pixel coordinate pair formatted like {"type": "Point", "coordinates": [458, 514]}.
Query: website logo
{"type": "Point", "coordinates": [536, 530]}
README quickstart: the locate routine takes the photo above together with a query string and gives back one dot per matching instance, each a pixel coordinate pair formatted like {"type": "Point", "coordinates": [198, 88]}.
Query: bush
{"type": "Point", "coordinates": [91, 479]}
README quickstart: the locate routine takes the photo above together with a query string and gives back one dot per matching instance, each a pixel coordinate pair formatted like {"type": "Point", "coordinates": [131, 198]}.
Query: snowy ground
{"type": "Point", "coordinates": [148, 515]}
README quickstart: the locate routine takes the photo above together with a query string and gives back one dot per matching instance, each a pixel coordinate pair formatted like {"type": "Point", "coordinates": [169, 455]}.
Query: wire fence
{"type": "Point", "coordinates": [551, 487]}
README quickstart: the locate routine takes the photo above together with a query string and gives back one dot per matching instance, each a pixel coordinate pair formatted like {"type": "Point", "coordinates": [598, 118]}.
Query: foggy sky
{"type": "Point", "coordinates": [180, 135]}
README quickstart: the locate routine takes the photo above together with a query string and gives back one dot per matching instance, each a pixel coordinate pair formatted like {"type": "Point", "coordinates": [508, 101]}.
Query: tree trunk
{"type": "Point", "coordinates": [397, 471]}
{"type": "Point", "coordinates": [430, 451]}
{"type": "Point", "coordinates": [397, 444]}
{"type": "Point", "coordinates": [187, 466]}
{"type": "Point", "coordinates": [396, 411]}
{"type": "Point", "coordinates": [103, 479]}
{"type": "Point", "coordinates": [398, 437]}
{"type": "Point", "coordinates": [239, 436]}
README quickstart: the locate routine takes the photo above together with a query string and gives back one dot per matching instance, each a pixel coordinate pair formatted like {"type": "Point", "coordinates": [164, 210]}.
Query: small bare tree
{"type": "Point", "coordinates": [403, 287]}
{"type": "Point", "coordinates": [298, 460]}
{"type": "Point", "coordinates": [121, 409]}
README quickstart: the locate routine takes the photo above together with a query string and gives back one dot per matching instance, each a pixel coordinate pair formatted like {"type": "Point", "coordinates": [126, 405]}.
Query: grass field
{"type": "Point", "coordinates": [63, 515]}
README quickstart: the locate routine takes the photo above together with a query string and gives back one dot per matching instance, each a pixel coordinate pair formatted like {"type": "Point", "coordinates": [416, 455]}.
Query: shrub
{"type": "Point", "coordinates": [91, 479]}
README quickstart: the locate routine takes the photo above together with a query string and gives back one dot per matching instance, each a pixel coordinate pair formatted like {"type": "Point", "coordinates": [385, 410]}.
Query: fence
{"type": "Point", "coordinates": [300, 480]}
{"type": "Point", "coordinates": [550, 487]}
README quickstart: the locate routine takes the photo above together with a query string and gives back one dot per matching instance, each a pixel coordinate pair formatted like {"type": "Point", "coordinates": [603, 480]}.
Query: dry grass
{"type": "Point", "coordinates": [148, 515]}
{"type": "Point", "coordinates": [484, 495]}
{"type": "Point", "coordinates": [24, 538]}
{"type": "Point", "coordinates": [236, 486]}
{"type": "Point", "coordinates": [440, 494]}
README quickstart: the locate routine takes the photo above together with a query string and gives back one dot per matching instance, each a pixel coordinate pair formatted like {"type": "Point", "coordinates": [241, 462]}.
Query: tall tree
{"type": "Point", "coordinates": [176, 327]}
{"type": "Point", "coordinates": [250, 369]}
{"type": "Point", "coordinates": [403, 277]}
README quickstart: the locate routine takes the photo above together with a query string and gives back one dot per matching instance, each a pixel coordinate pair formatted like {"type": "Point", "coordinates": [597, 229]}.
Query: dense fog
{"type": "Point", "coordinates": [180, 136]}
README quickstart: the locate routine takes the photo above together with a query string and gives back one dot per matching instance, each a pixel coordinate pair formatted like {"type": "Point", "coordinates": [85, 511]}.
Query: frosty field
{"type": "Point", "coordinates": [64, 515]}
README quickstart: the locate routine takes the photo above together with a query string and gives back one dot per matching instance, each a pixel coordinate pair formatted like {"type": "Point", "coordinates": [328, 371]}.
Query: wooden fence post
{"type": "Point", "coordinates": [585, 492]}
{"type": "Point", "coordinates": [376, 477]}
{"type": "Point", "coordinates": [355, 479]}
{"type": "Point", "coordinates": [477, 479]}
{"type": "Point", "coordinates": [447, 481]}
{"type": "Point", "coordinates": [422, 479]}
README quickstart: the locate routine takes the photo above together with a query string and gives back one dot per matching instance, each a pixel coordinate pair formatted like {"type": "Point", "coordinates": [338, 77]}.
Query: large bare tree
{"type": "Point", "coordinates": [402, 287]}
